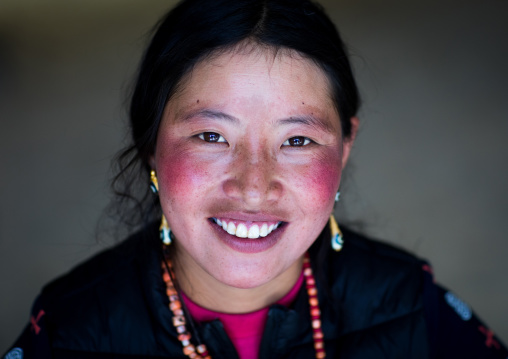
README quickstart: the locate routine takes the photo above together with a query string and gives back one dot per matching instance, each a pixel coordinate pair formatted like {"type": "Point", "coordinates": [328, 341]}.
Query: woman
{"type": "Point", "coordinates": [243, 118]}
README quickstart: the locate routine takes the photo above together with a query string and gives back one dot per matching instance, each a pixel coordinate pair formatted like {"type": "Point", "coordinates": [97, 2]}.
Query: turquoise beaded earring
{"type": "Point", "coordinates": [337, 238]}
{"type": "Point", "coordinates": [164, 230]}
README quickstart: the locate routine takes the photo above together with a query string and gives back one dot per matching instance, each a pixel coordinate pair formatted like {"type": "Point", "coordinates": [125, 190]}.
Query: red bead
{"type": "Point", "coordinates": [317, 335]}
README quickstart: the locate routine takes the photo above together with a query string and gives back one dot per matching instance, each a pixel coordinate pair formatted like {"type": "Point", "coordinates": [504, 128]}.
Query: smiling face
{"type": "Point", "coordinates": [249, 156]}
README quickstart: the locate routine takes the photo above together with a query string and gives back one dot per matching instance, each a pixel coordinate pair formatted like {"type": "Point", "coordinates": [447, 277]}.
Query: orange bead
{"type": "Point", "coordinates": [316, 323]}
{"type": "Point", "coordinates": [189, 349]}
{"type": "Point", "coordinates": [175, 305]}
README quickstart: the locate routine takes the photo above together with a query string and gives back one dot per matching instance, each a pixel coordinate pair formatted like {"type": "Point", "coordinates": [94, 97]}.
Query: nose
{"type": "Point", "coordinates": [253, 178]}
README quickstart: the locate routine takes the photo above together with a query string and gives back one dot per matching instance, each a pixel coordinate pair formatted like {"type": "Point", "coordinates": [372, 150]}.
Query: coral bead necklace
{"type": "Point", "coordinates": [200, 351]}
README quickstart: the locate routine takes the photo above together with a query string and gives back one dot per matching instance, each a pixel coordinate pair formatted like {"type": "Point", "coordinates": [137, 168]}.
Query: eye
{"type": "Point", "coordinates": [297, 141]}
{"type": "Point", "coordinates": [211, 137]}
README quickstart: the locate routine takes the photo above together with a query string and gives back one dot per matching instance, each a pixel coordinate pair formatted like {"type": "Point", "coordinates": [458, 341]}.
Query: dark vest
{"type": "Point", "coordinates": [115, 306]}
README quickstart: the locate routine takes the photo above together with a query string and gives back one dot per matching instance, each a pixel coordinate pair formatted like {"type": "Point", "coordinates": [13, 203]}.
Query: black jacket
{"type": "Point", "coordinates": [376, 302]}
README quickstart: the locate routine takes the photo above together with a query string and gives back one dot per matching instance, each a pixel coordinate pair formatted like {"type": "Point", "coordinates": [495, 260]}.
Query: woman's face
{"type": "Point", "coordinates": [249, 147]}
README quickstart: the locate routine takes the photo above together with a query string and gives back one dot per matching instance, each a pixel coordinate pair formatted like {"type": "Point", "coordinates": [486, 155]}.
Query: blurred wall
{"type": "Point", "coordinates": [428, 170]}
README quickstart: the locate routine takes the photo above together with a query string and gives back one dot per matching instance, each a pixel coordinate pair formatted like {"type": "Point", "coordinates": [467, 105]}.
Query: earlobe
{"type": "Point", "coordinates": [151, 162]}
{"type": "Point", "coordinates": [348, 142]}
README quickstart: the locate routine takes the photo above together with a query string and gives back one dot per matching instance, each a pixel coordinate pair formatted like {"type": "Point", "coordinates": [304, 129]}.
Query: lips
{"type": "Point", "coordinates": [247, 229]}
{"type": "Point", "coordinates": [248, 232]}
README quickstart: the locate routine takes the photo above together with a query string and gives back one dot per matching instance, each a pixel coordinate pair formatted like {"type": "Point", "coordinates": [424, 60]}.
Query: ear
{"type": "Point", "coordinates": [151, 161]}
{"type": "Point", "coordinates": [347, 143]}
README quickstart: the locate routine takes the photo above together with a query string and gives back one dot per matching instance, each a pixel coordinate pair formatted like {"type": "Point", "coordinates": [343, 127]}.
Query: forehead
{"type": "Point", "coordinates": [256, 79]}
{"type": "Point", "coordinates": [281, 66]}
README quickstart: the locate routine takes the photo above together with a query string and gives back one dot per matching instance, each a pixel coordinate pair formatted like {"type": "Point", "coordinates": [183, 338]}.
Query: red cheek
{"type": "Point", "coordinates": [321, 178]}
{"type": "Point", "coordinates": [180, 174]}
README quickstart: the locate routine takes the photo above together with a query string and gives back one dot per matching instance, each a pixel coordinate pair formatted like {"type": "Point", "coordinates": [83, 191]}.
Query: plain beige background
{"type": "Point", "coordinates": [428, 170]}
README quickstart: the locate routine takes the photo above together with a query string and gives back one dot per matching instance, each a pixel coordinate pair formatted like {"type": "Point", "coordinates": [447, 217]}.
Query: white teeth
{"type": "Point", "coordinates": [240, 230]}
{"type": "Point", "coordinates": [263, 232]}
{"type": "Point", "coordinates": [231, 228]}
{"type": "Point", "coordinates": [253, 231]}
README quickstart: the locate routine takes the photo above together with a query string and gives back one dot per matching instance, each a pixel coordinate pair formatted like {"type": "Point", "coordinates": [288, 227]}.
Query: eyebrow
{"type": "Point", "coordinates": [217, 115]}
{"type": "Point", "coordinates": [308, 120]}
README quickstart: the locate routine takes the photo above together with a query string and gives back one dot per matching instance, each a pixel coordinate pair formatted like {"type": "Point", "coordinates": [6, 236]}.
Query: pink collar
{"type": "Point", "coordinates": [244, 330]}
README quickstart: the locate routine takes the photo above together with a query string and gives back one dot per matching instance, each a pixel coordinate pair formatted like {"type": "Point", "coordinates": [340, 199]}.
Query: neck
{"type": "Point", "coordinates": [204, 290]}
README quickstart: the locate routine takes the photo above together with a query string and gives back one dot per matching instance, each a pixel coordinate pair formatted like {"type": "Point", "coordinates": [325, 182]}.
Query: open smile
{"type": "Point", "coordinates": [247, 229]}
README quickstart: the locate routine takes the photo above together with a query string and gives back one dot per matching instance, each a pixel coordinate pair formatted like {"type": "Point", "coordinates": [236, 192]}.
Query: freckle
{"type": "Point", "coordinates": [303, 103]}
{"type": "Point", "coordinates": [197, 101]}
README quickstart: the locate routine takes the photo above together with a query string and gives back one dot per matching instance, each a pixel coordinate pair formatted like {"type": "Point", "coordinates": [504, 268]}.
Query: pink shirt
{"type": "Point", "coordinates": [244, 330]}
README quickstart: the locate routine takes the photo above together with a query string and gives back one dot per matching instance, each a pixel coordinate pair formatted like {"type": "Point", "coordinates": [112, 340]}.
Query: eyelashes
{"type": "Point", "coordinates": [296, 141]}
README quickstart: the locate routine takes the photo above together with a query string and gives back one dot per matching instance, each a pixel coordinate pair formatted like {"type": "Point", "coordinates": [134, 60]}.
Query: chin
{"type": "Point", "coordinates": [245, 278]}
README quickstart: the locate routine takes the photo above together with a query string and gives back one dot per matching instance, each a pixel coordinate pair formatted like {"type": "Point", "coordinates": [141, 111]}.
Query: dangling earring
{"type": "Point", "coordinates": [154, 183]}
{"type": "Point", "coordinates": [337, 238]}
{"type": "Point", "coordinates": [164, 230]}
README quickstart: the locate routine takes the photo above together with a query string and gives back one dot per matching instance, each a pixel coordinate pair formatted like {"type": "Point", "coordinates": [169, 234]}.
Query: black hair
{"type": "Point", "coordinates": [197, 29]}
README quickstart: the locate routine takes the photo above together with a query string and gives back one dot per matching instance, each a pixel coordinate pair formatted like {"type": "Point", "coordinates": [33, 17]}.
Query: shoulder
{"type": "Point", "coordinates": [376, 260]}
{"type": "Point", "coordinates": [106, 267]}
{"type": "Point", "coordinates": [88, 306]}
{"type": "Point", "coordinates": [375, 282]}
